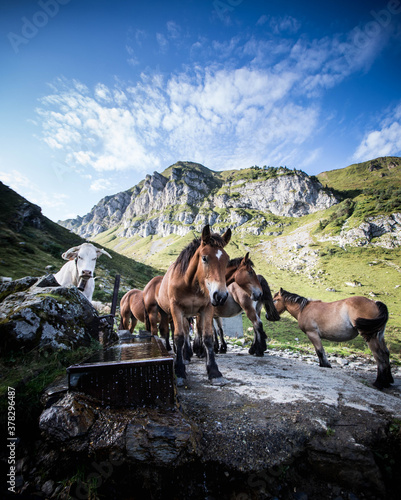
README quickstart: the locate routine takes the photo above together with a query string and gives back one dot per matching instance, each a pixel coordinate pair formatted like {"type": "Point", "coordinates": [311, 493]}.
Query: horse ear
{"type": "Point", "coordinates": [206, 234]}
{"type": "Point", "coordinates": [245, 260]}
{"type": "Point", "coordinates": [281, 291]}
{"type": "Point", "coordinates": [227, 236]}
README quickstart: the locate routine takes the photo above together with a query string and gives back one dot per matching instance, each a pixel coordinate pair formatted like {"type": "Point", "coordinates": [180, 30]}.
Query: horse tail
{"type": "Point", "coordinates": [267, 299]}
{"type": "Point", "coordinates": [369, 328]}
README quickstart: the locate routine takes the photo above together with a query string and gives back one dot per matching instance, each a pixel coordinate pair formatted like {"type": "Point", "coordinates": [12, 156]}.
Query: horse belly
{"type": "Point", "coordinates": [330, 320]}
{"type": "Point", "coordinates": [339, 334]}
{"type": "Point", "coordinates": [339, 330]}
{"type": "Point", "coordinates": [228, 310]}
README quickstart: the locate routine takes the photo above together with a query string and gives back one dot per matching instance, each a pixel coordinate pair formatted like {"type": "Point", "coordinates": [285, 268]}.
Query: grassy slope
{"type": "Point", "coordinates": [27, 252]}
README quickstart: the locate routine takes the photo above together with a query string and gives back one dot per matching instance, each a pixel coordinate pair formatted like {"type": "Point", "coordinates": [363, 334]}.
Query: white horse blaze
{"type": "Point", "coordinates": [219, 253]}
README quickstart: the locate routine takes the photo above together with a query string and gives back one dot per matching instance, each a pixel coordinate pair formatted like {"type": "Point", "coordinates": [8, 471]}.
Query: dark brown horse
{"type": "Point", "coordinates": [239, 301]}
{"type": "Point", "coordinates": [340, 321]}
{"type": "Point", "coordinates": [239, 272]}
{"type": "Point", "coordinates": [191, 287]}
{"type": "Point", "coordinates": [132, 310]}
{"type": "Point", "coordinates": [247, 292]}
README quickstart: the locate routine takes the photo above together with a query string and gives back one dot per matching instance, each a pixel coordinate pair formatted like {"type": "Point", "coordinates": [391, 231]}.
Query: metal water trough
{"type": "Point", "coordinates": [134, 372]}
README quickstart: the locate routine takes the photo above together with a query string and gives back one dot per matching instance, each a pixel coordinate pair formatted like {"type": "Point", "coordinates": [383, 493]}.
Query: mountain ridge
{"type": "Point", "coordinates": [187, 195]}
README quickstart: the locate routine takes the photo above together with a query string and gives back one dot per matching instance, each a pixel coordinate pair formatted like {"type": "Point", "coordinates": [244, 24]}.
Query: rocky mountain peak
{"type": "Point", "coordinates": [188, 195]}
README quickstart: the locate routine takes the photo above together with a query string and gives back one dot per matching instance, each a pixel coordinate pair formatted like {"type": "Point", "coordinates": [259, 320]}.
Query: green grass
{"type": "Point", "coordinates": [28, 250]}
{"type": "Point", "coordinates": [30, 373]}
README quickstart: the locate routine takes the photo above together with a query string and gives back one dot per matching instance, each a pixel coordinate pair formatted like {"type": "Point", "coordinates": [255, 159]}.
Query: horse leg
{"type": "Point", "coordinates": [198, 347]}
{"type": "Point", "coordinates": [125, 314]}
{"type": "Point", "coordinates": [259, 345]}
{"type": "Point", "coordinates": [223, 345]}
{"type": "Point", "coordinates": [215, 340]}
{"type": "Point", "coordinates": [134, 321]}
{"type": "Point", "coordinates": [188, 352]}
{"type": "Point", "coordinates": [382, 356]}
{"type": "Point", "coordinates": [206, 327]}
{"type": "Point", "coordinates": [163, 328]}
{"type": "Point", "coordinates": [151, 317]}
{"type": "Point", "coordinates": [179, 339]}
{"type": "Point", "coordinates": [314, 337]}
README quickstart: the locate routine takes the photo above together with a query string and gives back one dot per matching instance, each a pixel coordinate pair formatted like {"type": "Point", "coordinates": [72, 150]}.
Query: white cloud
{"type": "Point", "coordinates": [101, 185]}
{"type": "Point", "coordinates": [173, 30]}
{"type": "Point", "coordinates": [386, 141]}
{"type": "Point", "coordinates": [257, 101]}
{"type": "Point", "coordinates": [162, 42]}
{"type": "Point", "coordinates": [278, 25]}
{"type": "Point", "coordinates": [102, 92]}
{"type": "Point", "coordinates": [24, 186]}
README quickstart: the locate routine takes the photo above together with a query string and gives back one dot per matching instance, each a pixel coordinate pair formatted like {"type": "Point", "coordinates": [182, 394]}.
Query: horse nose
{"type": "Point", "coordinates": [256, 295]}
{"type": "Point", "coordinates": [219, 298]}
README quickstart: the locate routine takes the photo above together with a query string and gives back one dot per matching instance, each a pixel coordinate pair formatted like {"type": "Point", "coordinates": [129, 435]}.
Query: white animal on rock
{"type": "Point", "coordinates": [80, 267]}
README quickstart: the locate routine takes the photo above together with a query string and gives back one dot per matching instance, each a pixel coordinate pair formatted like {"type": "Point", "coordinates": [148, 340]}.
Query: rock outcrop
{"type": "Point", "coordinates": [187, 196]}
{"type": "Point", "coordinates": [383, 231]}
{"type": "Point", "coordinates": [38, 312]}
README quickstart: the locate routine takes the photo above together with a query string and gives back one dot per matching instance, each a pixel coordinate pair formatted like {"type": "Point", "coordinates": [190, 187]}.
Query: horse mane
{"type": "Point", "coordinates": [237, 261]}
{"type": "Point", "coordinates": [215, 240]}
{"type": "Point", "coordinates": [295, 299]}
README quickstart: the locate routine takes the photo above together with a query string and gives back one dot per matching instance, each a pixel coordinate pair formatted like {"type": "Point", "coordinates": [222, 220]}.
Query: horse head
{"type": "Point", "coordinates": [212, 265]}
{"type": "Point", "coordinates": [279, 301]}
{"type": "Point", "coordinates": [245, 277]}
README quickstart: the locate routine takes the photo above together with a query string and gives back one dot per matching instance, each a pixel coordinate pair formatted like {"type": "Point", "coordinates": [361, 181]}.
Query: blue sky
{"type": "Point", "coordinates": [96, 94]}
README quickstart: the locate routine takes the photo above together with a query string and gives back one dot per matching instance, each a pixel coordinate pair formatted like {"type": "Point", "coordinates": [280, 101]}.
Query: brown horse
{"type": "Point", "coordinates": [239, 272]}
{"type": "Point", "coordinates": [153, 314]}
{"type": "Point", "coordinates": [193, 284]}
{"type": "Point", "coordinates": [340, 321]}
{"type": "Point", "coordinates": [132, 310]}
{"type": "Point", "coordinates": [239, 301]}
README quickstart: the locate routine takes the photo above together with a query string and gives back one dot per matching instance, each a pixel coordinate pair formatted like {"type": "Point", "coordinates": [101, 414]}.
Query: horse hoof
{"type": "Point", "coordinates": [220, 381]}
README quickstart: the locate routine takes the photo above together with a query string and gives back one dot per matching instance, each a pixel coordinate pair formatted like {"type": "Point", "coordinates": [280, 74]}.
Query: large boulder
{"type": "Point", "coordinates": [155, 436]}
{"type": "Point", "coordinates": [38, 312]}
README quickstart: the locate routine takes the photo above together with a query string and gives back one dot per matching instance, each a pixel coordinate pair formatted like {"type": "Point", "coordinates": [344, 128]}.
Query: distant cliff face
{"type": "Point", "coordinates": [187, 196]}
